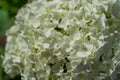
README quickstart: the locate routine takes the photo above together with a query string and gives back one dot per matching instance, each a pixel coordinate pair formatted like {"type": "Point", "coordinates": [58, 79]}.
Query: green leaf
{"type": "Point", "coordinates": [5, 22]}
{"type": "Point", "coordinates": [1, 70]}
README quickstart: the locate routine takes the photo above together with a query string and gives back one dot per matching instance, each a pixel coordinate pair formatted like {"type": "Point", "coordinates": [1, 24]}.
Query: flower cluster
{"type": "Point", "coordinates": [65, 40]}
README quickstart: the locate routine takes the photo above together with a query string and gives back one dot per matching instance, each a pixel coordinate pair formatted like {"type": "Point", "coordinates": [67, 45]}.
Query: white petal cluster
{"type": "Point", "coordinates": [65, 40]}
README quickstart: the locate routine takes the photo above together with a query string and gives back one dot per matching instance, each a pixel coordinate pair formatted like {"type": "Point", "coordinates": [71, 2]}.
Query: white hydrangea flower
{"type": "Point", "coordinates": [65, 40]}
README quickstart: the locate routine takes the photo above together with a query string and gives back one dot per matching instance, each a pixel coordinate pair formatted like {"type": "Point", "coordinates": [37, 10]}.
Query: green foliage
{"type": "Point", "coordinates": [5, 21]}
{"type": "Point", "coordinates": [12, 5]}
{"type": "Point", "coordinates": [1, 51]}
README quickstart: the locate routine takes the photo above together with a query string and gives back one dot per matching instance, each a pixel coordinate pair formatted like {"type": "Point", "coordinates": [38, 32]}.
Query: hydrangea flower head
{"type": "Point", "coordinates": [65, 40]}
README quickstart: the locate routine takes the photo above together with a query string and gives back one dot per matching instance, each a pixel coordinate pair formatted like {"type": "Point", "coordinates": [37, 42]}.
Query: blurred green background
{"type": "Point", "coordinates": [8, 10]}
